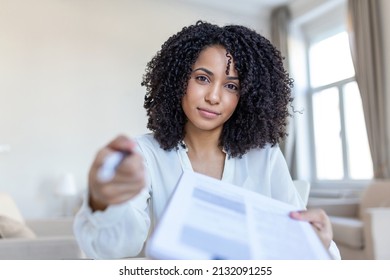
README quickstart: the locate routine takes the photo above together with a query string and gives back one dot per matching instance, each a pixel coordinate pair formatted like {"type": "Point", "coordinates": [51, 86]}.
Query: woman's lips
{"type": "Point", "coordinates": [209, 114]}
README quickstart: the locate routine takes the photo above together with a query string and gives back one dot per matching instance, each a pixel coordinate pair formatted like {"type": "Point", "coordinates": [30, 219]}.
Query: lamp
{"type": "Point", "coordinates": [66, 189]}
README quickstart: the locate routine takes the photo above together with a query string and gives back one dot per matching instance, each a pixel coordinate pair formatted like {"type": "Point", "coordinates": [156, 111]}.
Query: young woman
{"type": "Point", "coordinates": [217, 101]}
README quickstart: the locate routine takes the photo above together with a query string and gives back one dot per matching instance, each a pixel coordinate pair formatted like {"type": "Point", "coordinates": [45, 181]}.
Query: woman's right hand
{"type": "Point", "coordinates": [128, 181]}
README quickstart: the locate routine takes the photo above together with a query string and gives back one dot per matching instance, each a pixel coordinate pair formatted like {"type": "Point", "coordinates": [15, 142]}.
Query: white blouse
{"type": "Point", "coordinates": [121, 230]}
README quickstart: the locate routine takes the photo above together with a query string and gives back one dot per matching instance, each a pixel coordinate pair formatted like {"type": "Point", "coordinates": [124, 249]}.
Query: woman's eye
{"type": "Point", "coordinates": [202, 78]}
{"type": "Point", "coordinates": [232, 87]}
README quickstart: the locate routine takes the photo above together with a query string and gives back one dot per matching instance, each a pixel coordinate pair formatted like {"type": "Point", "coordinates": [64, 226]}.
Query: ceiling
{"type": "Point", "coordinates": [241, 6]}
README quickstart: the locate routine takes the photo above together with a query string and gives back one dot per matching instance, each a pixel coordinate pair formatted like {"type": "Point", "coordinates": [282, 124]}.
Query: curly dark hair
{"type": "Point", "coordinates": [261, 115]}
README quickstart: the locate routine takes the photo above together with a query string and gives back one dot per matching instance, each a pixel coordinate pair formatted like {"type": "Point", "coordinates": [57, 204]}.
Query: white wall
{"type": "Point", "coordinates": [70, 74]}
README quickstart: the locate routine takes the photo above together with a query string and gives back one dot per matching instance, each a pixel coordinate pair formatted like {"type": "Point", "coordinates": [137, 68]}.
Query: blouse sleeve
{"type": "Point", "coordinates": [117, 232]}
{"type": "Point", "coordinates": [283, 186]}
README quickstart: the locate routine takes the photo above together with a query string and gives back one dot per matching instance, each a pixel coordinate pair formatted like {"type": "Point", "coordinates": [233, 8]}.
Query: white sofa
{"type": "Point", "coordinates": [361, 226]}
{"type": "Point", "coordinates": [44, 239]}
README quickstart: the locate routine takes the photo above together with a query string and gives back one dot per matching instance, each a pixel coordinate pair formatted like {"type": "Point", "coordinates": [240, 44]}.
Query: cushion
{"type": "Point", "coordinates": [9, 208]}
{"type": "Point", "coordinates": [11, 228]}
{"type": "Point", "coordinates": [347, 231]}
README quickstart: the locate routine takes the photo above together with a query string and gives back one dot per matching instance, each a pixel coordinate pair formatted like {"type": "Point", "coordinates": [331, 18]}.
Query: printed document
{"type": "Point", "coordinates": [209, 219]}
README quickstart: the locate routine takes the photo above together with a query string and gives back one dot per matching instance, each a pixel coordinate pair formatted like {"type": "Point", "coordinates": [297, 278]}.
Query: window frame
{"type": "Point", "coordinates": [339, 85]}
{"type": "Point", "coordinates": [308, 29]}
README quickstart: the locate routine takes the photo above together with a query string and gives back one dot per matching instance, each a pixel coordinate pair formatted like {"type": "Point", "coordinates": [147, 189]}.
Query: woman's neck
{"type": "Point", "coordinates": [202, 143]}
{"type": "Point", "coordinates": [205, 154]}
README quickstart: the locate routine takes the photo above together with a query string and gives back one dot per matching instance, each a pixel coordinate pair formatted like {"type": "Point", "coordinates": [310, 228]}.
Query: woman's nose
{"type": "Point", "coordinates": [213, 95]}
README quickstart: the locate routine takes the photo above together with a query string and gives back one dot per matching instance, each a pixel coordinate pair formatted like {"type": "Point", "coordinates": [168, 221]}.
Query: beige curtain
{"type": "Point", "coordinates": [367, 52]}
{"type": "Point", "coordinates": [280, 20]}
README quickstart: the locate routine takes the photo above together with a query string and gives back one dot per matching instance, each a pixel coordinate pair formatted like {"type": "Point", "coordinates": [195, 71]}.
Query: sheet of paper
{"type": "Point", "coordinates": [209, 219]}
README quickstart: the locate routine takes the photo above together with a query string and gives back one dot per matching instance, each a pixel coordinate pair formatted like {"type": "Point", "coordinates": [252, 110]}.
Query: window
{"type": "Point", "coordinates": [331, 149]}
{"type": "Point", "coordinates": [339, 137]}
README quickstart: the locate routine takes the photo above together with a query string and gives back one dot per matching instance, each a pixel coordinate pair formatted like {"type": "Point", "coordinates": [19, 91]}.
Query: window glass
{"type": "Point", "coordinates": [341, 149]}
{"type": "Point", "coordinates": [327, 130]}
{"type": "Point", "coordinates": [330, 60]}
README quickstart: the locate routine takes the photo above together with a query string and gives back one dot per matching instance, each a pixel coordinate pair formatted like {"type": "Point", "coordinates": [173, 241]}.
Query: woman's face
{"type": "Point", "coordinates": [212, 95]}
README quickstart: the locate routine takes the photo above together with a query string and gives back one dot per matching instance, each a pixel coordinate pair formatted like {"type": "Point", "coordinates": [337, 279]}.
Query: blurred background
{"type": "Point", "coordinates": [70, 74]}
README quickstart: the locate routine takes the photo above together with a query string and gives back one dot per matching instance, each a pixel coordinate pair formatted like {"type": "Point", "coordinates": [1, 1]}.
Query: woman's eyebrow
{"type": "Point", "coordinates": [205, 70]}
{"type": "Point", "coordinates": [212, 74]}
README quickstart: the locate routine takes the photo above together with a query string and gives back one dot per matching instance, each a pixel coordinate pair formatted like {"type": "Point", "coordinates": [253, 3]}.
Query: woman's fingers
{"type": "Point", "coordinates": [123, 177]}
{"type": "Point", "coordinates": [319, 220]}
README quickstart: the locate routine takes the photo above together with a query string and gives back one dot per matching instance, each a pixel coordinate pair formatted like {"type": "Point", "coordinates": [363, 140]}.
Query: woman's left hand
{"type": "Point", "coordinates": [320, 222]}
